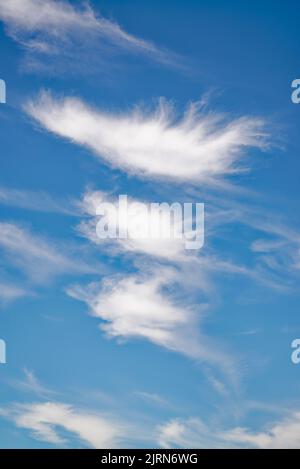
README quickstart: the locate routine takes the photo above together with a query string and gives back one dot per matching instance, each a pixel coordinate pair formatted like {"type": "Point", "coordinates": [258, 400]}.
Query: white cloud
{"type": "Point", "coordinates": [204, 261]}
{"type": "Point", "coordinates": [284, 434]}
{"type": "Point", "coordinates": [190, 433]}
{"type": "Point", "coordinates": [153, 306]}
{"type": "Point", "coordinates": [35, 255]}
{"type": "Point", "coordinates": [197, 265]}
{"type": "Point", "coordinates": [58, 30]}
{"type": "Point", "coordinates": [193, 433]}
{"type": "Point", "coordinates": [197, 148]}
{"type": "Point", "coordinates": [46, 420]}
{"type": "Point", "coordinates": [49, 422]}
{"type": "Point", "coordinates": [136, 307]}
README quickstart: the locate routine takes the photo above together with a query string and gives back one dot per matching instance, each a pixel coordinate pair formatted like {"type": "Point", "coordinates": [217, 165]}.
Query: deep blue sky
{"type": "Point", "coordinates": [245, 55]}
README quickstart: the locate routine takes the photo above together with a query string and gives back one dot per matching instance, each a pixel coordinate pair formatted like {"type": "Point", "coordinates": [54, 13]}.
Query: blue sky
{"type": "Point", "coordinates": [111, 346]}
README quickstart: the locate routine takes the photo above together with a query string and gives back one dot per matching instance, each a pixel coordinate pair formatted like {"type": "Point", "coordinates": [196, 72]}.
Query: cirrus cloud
{"type": "Point", "coordinates": [59, 31]}
{"type": "Point", "coordinates": [194, 433]}
{"type": "Point", "coordinates": [195, 148]}
{"type": "Point", "coordinates": [46, 420]}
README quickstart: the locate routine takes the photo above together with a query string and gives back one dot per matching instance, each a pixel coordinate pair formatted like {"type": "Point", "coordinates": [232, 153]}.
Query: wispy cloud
{"type": "Point", "coordinates": [31, 384]}
{"type": "Point", "coordinates": [283, 434]}
{"type": "Point", "coordinates": [154, 399]}
{"type": "Point", "coordinates": [57, 34]}
{"type": "Point", "coordinates": [136, 307]}
{"type": "Point", "coordinates": [37, 201]}
{"type": "Point", "coordinates": [194, 433]}
{"type": "Point", "coordinates": [203, 263]}
{"type": "Point", "coordinates": [10, 292]}
{"type": "Point", "coordinates": [274, 239]}
{"type": "Point", "coordinates": [190, 433]}
{"type": "Point", "coordinates": [152, 306]}
{"type": "Point", "coordinates": [196, 148]}
{"type": "Point", "coordinates": [47, 420]}
{"type": "Point", "coordinates": [35, 255]}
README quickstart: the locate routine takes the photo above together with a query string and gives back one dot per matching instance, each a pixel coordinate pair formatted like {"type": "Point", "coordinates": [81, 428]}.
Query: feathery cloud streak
{"type": "Point", "coordinates": [45, 420]}
{"type": "Point", "coordinates": [193, 433]}
{"type": "Point", "coordinates": [196, 148]}
{"type": "Point", "coordinates": [36, 200]}
{"type": "Point", "coordinates": [35, 255]}
{"type": "Point", "coordinates": [149, 305]}
{"type": "Point", "coordinates": [59, 30]}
